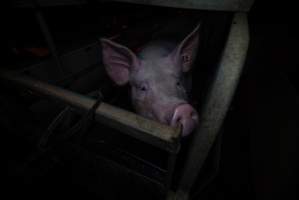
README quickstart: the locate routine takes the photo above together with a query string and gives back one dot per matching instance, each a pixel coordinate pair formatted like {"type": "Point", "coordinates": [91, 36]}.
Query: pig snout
{"type": "Point", "coordinates": [185, 115]}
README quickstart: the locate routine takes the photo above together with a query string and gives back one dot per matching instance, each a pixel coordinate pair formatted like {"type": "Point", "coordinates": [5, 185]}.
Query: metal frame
{"type": "Point", "coordinates": [217, 102]}
{"type": "Point", "coordinates": [154, 133]}
{"type": "Point", "coordinates": [223, 5]}
{"type": "Point", "coordinates": [48, 38]}
{"type": "Point", "coordinates": [149, 131]}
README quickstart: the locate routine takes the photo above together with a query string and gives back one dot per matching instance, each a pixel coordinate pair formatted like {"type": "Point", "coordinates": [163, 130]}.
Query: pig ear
{"type": "Point", "coordinates": [118, 61]}
{"type": "Point", "coordinates": [186, 51]}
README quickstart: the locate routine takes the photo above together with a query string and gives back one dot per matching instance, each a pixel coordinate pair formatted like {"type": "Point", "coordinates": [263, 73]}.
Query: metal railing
{"type": "Point", "coordinates": [154, 133]}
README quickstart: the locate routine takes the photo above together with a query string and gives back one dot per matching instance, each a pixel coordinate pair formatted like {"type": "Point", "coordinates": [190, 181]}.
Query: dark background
{"type": "Point", "coordinates": [259, 141]}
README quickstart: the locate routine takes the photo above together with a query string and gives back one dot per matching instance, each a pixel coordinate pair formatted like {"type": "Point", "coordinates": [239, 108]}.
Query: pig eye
{"type": "Point", "coordinates": [178, 83]}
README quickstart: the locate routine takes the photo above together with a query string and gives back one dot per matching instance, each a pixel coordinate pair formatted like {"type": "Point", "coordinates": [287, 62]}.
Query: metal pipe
{"type": "Point", "coordinates": [170, 170]}
{"type": "Point", "coordinates": [217, 102]}
{"type": "Point", "coordinates": [48, 37]}
{"type": "Point", "coordinates": [148, 131]}
{"type": "Point", "coordinates": [223, 5]}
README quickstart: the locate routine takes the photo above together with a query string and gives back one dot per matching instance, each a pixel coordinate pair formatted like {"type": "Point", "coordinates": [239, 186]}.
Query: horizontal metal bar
{"type": "Point", "coordinates": [217, 102]}
{"type": "Point", "coordinates": [148, 131]}
{"type": "Point", "coordinates": [225, 5]}
{"type": "Point", "coordinates": [49, 39]}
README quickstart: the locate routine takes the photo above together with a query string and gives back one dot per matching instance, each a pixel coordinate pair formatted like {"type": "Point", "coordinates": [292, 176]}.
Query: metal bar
{"type": "Point", "coordinates": [48, 37]}
{"type": "Point", "coordinates": [217, 102]}
{"type": "Point", "coordinates": [148, 131]}
{"type": "Point", "coordinates": [170, 169]}
{"type": "Point", "coordinates": [224, 5]}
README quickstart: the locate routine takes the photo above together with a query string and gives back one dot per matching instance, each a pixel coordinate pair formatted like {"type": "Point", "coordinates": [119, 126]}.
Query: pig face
{"type": "Point", "coordinates": [157, 79]}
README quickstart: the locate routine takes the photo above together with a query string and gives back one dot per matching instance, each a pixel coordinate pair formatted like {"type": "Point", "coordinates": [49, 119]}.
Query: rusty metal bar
{"type": "Point", "coordinates": [217, 102]}
{"type": "Point", "coordinates": [148, 131]}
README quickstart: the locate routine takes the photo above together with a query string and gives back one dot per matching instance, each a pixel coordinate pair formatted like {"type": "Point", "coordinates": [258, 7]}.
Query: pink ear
{"type": "Point", "coordinates": [186, 51]}
{"type": "Point", "coordinates": [118, 61]}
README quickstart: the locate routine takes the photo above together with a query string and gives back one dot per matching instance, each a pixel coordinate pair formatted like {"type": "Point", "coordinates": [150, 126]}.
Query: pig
{"type": "Point", "coordinates": [157, 75]}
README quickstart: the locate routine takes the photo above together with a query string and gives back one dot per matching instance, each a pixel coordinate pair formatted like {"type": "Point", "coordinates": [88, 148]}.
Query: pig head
{"type": "Point", "coordinates": [157, 75]}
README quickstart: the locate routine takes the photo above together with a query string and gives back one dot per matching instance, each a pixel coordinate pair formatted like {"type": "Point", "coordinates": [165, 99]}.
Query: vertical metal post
{"type": "Point", "coordinates": [217, 102]}
{"type": "Point", "coordinates": [48, 37]}
{"type": "Point", "coordinates": [171, 166]}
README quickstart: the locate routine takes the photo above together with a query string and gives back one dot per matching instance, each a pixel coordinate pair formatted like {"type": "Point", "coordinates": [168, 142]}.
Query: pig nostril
{"type": "Point", "coordinates": [178, 120]}
{"type": "Point", "coordinates": [186, 116]}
